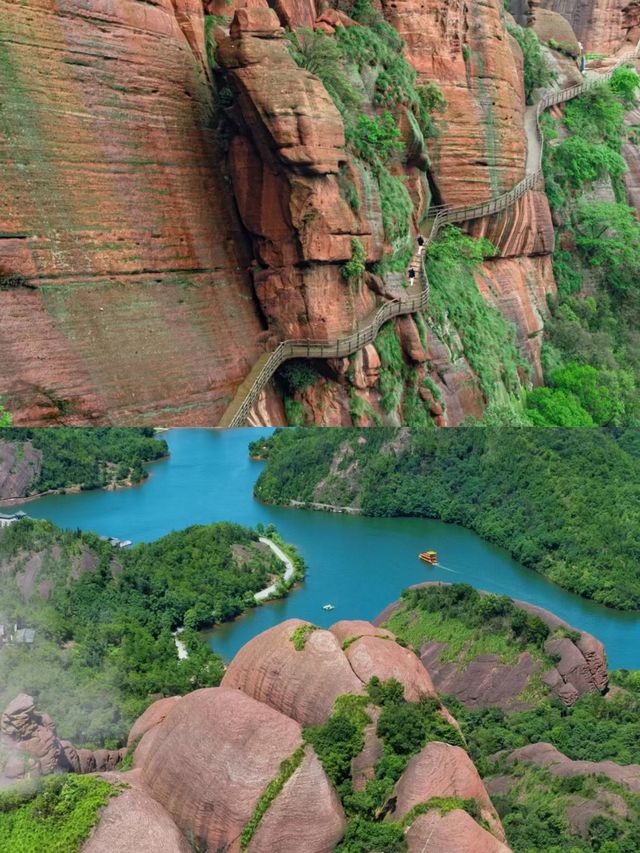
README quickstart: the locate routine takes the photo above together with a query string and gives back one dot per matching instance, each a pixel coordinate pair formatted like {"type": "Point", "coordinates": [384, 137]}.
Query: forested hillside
{"type": "Point", "coordinates": [103, 618]}
{"type": "Point", "coordinates": [565, 503]}
{"type": "Point", "coordinates": [84, 458]}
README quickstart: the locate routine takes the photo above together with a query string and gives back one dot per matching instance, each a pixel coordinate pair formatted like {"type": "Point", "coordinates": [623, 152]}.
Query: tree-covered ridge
{"type": "Point", "coordinates": [104, 618]}
{"type": "Point", "coordinates": [89, 458]}
{"type": "Point", "coordinates": [552, 498]}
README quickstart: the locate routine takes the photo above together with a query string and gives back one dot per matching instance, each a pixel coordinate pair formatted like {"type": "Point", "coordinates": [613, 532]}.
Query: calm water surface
{"type": "Point", "coordinates": [358, 564]}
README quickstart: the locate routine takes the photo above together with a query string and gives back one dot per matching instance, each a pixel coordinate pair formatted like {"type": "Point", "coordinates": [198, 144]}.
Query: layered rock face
{"type": "Point", "coordinates": [603, 26]}
{"type": "Point", "coordinates": [20, 466]}
{"type": "Point", "coordinates": [284, 159]}
{"type": "Point", "coordinates": [113, 202]}
{"type": "Point", "coordinates": [466, 50]}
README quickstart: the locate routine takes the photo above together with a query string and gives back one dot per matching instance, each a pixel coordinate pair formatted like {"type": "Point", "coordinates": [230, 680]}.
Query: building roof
{"type": "Point", "coordinates": [24, 635]}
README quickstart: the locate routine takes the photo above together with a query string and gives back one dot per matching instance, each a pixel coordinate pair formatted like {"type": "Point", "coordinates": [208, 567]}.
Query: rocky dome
{"type": "Point", "coordinates": [228, 768]}
{"type": "Point", "coordinates": [442, 770]}
{"type": "Point", "coordinates": [305, 682]}
{"type": "Point", "coordinates": [215, 753]}
{"type": "Point", "coordinates": [454, 832]}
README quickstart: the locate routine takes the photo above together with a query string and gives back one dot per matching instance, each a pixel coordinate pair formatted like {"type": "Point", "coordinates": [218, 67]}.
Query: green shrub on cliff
{"type": "Point", "coordinates": [319, 54]}
{"type": "Point", "coordinates": [54, 815]}
{"type": "Point", "coordinates": [5, 418]}
{"type": "Point", "coordinates": [488, 340]}
{"type": "Point", "coordinates": [536, 72]}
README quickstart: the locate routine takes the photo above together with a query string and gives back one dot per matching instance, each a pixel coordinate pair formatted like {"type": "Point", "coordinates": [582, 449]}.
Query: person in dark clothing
{"type": "Point", "coordinates": [412, 273]}
{"type": "Point", "coordinates": [420, 240]}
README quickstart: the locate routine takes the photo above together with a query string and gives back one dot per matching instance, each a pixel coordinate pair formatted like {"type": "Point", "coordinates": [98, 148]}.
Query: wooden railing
{"type": "Point", "coordinates": [238, 410]}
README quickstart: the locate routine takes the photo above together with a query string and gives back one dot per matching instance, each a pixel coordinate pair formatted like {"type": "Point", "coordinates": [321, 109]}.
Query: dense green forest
{"type": "Point", "coordinates": [551, 497]}
{"type": "Point", "coordinates": [90, 458]}
{"type": "Point", "coordinates": [104, 618]}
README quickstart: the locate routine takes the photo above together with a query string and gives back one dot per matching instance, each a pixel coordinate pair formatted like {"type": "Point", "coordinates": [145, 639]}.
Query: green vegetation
{"type": "Point", "coordinates": [354, 269]}
{"type": "Point", "coordinates": [90, 458]}
{"type": "Point", "coordinates": [5, 418]}
{"type": "Point", "coordinates": [286, 771]}
{"type": "Point", "coordinates": [300, 634]}
{"type": "Point", "coordinates": [536, 72]}
{"type": "Point", "coordinates": [372, 84]}
{"type": "Point", "coordinates": [103, 646]}
{"type": "Point", "coordinates": [456, 306]}
{"type": "Point", "coordinates": [535, 806]}
{"type": "Point", "coordinates": [546, 496]}
{"type": "Point", "coordinates": [590, 340]}
{"type": "Point", "coordinates": [55, 815]}
{"type": "Point", "coordinates": [468, 623]}
{"type": "Point", "coordinates": [298, 374]}
{"type": "Point", "coordinates": [404, 728]}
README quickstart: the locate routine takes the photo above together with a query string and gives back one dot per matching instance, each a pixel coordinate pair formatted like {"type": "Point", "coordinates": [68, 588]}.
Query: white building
{"type": "Point", "coordinates": [6, 520]}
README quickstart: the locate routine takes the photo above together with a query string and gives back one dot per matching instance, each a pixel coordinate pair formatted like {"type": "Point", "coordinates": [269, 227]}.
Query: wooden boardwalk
{"type": "Point", "coordinates": [416, 296]}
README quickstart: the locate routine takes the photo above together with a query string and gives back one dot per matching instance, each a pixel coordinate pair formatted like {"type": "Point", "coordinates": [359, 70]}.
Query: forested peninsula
{"type": "Point", "coordinates": [553, 498]}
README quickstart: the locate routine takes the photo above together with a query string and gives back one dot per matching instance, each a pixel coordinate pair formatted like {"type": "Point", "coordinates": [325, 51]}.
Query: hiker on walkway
{"type": "Point", "coordinates": [412, 274]}
{"type": "Point", "coordinates": [582, 62]}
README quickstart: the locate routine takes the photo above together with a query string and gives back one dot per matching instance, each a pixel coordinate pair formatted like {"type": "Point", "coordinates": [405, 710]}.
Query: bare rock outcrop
{"type": "Point", "coordinates": [546, 755]}
{"type": "Point", "coordinates": [215, 753]}
{"type": "Point", "coordinates": [306, 815]}
{"type": "Point", "coordinates": [442, 770]}
{"type": "Point", "coordinates": [454, 832]}
{"type": "Point", "coordinates": [133, 822]}
{"type": "Point", "coordinates": [284, 157]}
{"type": "Point", "coordinates": [601, 25]}
{"type": "Point", "coordinates": [385, 659]}
{"type": "Point", "coordinates": [32, 746]}
{"type": "Point", "coordinates": [20, 466]}
{"type": "Point", "coordinates": [303, 684]}
{"type": "Point", "coordinates": [112, 196]}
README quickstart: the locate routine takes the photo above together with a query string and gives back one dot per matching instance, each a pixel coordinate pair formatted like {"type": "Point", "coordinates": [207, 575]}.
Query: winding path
{"type": "Point", "coordinates": [417, 295]}
{"type": "Point", "coordinates": [288, 572]}
{"type": "Point", "coordinates": [262, 595]}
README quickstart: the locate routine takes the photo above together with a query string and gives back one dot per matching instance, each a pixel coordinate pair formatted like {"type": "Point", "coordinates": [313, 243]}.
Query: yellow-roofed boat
{"type": "Point", "coordinates": [429, 557]}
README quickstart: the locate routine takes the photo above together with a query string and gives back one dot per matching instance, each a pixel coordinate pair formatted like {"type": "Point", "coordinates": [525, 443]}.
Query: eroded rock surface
{"type": "Point", "coordinates": [454, 832]}
{"type": "Point", "coordinates": [442, 770]}
{"type": "Point", "coordinates": [114, 204]}
{"type": "Point", "coordinates": [20, 466]}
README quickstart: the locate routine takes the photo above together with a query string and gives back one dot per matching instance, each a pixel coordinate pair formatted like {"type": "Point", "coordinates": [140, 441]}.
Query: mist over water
{"type": "Point", "coordinates": [357, 564]}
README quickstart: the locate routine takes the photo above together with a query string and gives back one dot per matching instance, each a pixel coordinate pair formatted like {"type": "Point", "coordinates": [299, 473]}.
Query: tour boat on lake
{"type": "Point", "coordinates": [429, 557]}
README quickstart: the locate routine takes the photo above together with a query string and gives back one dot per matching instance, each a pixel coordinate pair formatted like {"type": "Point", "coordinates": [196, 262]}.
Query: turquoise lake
{"type": "Point", "coordinates": [358, 564]}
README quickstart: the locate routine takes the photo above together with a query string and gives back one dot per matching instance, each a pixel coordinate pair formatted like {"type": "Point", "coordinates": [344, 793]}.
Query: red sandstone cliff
{"type": "Point", "coordinates": [160, 244]}
{"type": "Point", "coordinates": [114, 201]}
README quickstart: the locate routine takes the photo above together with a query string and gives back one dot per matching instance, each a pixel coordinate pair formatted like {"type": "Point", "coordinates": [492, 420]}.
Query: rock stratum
{"type": "Point", "coordinates": [161, 228]}
{"type": "Point", "coordinates": [202, 762]}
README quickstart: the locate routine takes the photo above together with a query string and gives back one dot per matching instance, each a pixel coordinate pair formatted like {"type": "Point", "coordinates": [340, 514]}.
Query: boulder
{"type": "Point", "coordinates": [442, 770]}
{"type": "Point", "coordinates": [152, 716]}
{"type": "Point", "coordinates": [454, 832]}
{"type": "Point", "coordinates": [350, 629]}
{"type": "Point", "coordinates": [306, 815]}
{"type": "Point", "coordinates": [301, 684]}
{"type": "Point", "coordinates": [371, 655]}
{"type": "Point", "coordinates": [133, 822]}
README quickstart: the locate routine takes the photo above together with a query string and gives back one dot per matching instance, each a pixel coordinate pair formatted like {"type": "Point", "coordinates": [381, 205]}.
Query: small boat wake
{"type": "Point", "coordinates": [447, 569]}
